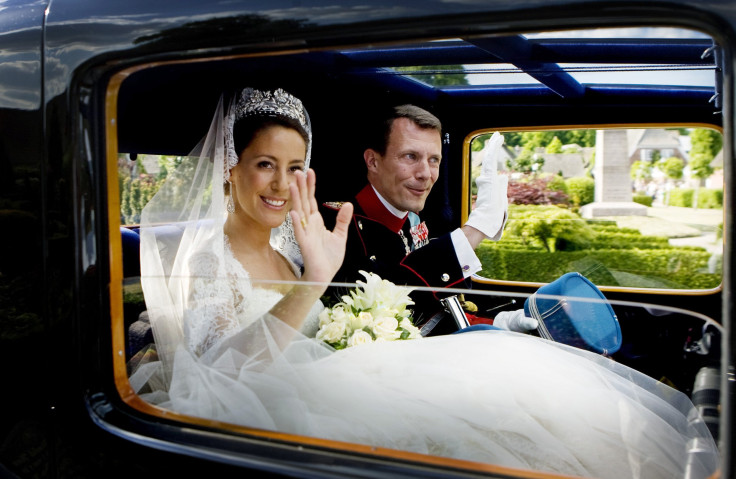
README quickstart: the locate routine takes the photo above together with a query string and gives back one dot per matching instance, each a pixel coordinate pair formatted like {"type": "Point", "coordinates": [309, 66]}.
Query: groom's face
{"type": "Point", "coordinates": [405, 173]}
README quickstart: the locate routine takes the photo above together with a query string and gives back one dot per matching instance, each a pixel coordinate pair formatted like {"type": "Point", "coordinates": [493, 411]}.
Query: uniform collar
{"type": "Point", "coordinates": [374, 209]}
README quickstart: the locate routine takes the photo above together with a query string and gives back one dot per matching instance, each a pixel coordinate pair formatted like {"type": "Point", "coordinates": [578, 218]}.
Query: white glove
{"type": "Point", "coordinates": [515, 321]}
{"type": "Point", "coordinates": [491, 205]}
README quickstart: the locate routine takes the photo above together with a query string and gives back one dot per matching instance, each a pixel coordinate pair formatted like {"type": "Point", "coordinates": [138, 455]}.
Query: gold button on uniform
{"type": "Point", "coordinates": [373, 258]}
{"type": "Point", "coordinates": [445, 277]}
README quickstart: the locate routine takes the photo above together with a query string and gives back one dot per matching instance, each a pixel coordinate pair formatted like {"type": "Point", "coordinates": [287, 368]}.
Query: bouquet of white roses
{"type": "Point", "coordinates": [375, 311]}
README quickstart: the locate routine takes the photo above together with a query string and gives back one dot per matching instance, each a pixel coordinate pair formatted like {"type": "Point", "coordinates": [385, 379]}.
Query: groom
{"type": "Point", "coordinates": [386, 235]}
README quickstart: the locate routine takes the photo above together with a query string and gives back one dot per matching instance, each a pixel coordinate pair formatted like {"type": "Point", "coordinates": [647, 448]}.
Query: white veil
{"type": "Point", "coordinates": [182, 225]}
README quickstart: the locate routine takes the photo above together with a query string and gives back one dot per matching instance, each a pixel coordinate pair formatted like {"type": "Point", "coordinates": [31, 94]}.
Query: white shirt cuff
{"type": "Point", "coordinates": [469, 262]}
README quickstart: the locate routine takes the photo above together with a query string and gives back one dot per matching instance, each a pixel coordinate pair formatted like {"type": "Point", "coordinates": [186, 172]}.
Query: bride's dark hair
{"type": "Point", "coordinates": [246, 129]}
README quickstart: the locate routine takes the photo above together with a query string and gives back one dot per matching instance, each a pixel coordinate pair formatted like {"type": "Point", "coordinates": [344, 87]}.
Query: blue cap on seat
{"type": "Point", "coordinates": [578, 314]}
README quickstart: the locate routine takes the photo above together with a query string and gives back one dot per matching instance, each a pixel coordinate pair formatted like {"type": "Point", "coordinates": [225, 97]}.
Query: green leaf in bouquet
{"type": "Point", "coordinates": [368, 330]}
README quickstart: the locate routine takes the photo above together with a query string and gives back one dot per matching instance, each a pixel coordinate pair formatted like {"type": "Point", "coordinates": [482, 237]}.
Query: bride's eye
{"type": "Point", "coordinates": [265, 164]}
{"type": "Point", "coordinates": [296, 168]}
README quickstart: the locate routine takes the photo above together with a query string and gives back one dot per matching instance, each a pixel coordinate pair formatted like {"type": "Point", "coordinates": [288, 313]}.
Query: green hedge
{"type": "Point", "coordinates": [601, 222]}
{"type": "Point", "coordinates": [611, 227]}
{"type": "Point", "coordinates": [645, 268]}
{"type": "Point", "coordinates": [709, 198]}
{"type": "Point", "coordinates": [599, 249]}
{"type": "Point", "coordinates": [645, 200]}
{"type": "Point", "coordinates": [681, 197]}
{"type": "Point", "coordinates": [614, 239]}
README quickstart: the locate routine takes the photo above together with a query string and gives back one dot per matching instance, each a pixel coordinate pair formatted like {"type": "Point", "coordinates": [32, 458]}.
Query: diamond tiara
{"type": "Point", "coordinates": [277, 103]}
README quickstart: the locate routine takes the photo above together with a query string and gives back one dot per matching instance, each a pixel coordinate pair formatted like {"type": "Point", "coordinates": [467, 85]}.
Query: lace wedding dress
{"type": "Point", "coordinates": [490, 396]}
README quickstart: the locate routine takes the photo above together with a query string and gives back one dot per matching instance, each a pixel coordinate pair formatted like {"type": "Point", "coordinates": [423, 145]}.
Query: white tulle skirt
{"type": "Point", "coordinates": [492, 396]}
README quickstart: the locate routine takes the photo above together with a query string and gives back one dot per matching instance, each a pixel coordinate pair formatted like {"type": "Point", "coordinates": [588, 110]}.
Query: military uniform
{"type": "Point", "coordinates": [398, 250]}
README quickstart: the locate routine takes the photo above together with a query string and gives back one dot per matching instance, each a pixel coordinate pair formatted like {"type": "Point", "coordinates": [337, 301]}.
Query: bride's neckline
{"type": "Point", "coordinates": [276, 285]}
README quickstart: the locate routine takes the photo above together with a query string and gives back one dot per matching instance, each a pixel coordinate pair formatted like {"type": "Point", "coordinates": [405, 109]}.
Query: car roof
{"type": "Point", "coordinates": [569, 77]}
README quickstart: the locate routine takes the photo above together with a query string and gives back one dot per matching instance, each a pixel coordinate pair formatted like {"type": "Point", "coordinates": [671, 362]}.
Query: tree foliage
{"type": "Point", "coordinates": [582, 138]}
{"type": "Point", "coordinates": [641, 170]}
{"type": "Point", "coordinates": [534, 139]}
{"type": "Point", "coordinates": [137, 186]}
{"type": "Point", "coordinates": [706, 142]}
{"type": "Point", "coordinates": [433, 75]}
{"type": "Point", "coordinates": [554, 146]}
{"type": "Point", "coordinates": [671, 167]}
{"type": "Point", "coordinates": [134, 194]}
{"type": "Point", "coordinates": [700, 167]}
{"type": "Point", "coordinates": [525, 162]}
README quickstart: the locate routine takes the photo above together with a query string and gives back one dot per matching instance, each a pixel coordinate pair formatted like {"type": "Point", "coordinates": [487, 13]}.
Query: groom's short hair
{"type": "Point", "coordinates": [419, 116]}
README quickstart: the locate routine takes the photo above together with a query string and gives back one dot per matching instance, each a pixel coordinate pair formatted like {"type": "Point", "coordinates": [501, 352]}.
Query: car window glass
{"type": "Point", "coordinates": [649, 216]}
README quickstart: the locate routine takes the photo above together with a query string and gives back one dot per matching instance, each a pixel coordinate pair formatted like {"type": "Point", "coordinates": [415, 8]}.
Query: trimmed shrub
{"type": "Point", "coordinates": [610, 227]}
{"type": "Point", "coordinates": [600, 222]}
{"type": "Point", "coordinates": [549, 226]}
{"type": "Point", "coordinates": [557, 183]}
{"type": "Point", "coordinates": [710, 198]}
{"type": "Point", "coordinates": [606, 254]}
{"type": "Point", "coordinates": [581, 190]}
{"type": "Point", "coordinates": [616, 240]}
{"type": "Point", "coordinates": [681, 197]}
{"type": "Point", "coordinates": [665, 268]}
{"type": "Point", "coordinates": [645, 200]}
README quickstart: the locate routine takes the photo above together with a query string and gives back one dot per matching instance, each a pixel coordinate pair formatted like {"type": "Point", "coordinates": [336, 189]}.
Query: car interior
{"type": "Point", "coordinates": [625, 78]}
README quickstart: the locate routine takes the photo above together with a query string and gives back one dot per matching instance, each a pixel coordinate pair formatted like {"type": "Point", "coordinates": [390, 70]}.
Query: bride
{"type": "Point", "coordinates": [224, 244]}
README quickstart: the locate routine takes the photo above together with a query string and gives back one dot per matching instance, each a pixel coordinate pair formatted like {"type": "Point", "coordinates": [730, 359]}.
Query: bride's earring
{"type": "Point", "coordinates": [230, 206]}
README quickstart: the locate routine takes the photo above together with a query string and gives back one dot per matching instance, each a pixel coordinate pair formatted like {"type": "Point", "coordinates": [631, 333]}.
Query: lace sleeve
{"type": "Point", "coordinates": [224, 309]}
{"type": "Point", "coordinates": [210, 316]}
{"type": "Point", "coordinates": [283, 241]}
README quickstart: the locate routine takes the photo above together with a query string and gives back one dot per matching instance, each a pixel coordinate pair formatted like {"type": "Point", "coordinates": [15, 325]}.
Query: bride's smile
{"type": "Point", "coordinates": [274, 203]}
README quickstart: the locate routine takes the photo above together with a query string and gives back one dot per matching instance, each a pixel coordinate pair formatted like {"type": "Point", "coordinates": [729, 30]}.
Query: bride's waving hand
{"type": "Point", "coordinates": [323, 250]}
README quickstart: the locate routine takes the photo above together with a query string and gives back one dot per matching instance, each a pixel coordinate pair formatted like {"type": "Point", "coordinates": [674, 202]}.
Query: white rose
{"type": "Point", "coordinates": [359, 337]}
{"type": "Point", "coordinates": [332, 332]}
{"type": "Point", "coordinates": [363, 319]}
{"type": "Point", "coordinates": [324, 317]}
{"type": "Point", "coordinates": [339, 315]}
{"type": "Point", "coordinates": [385, 327]}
